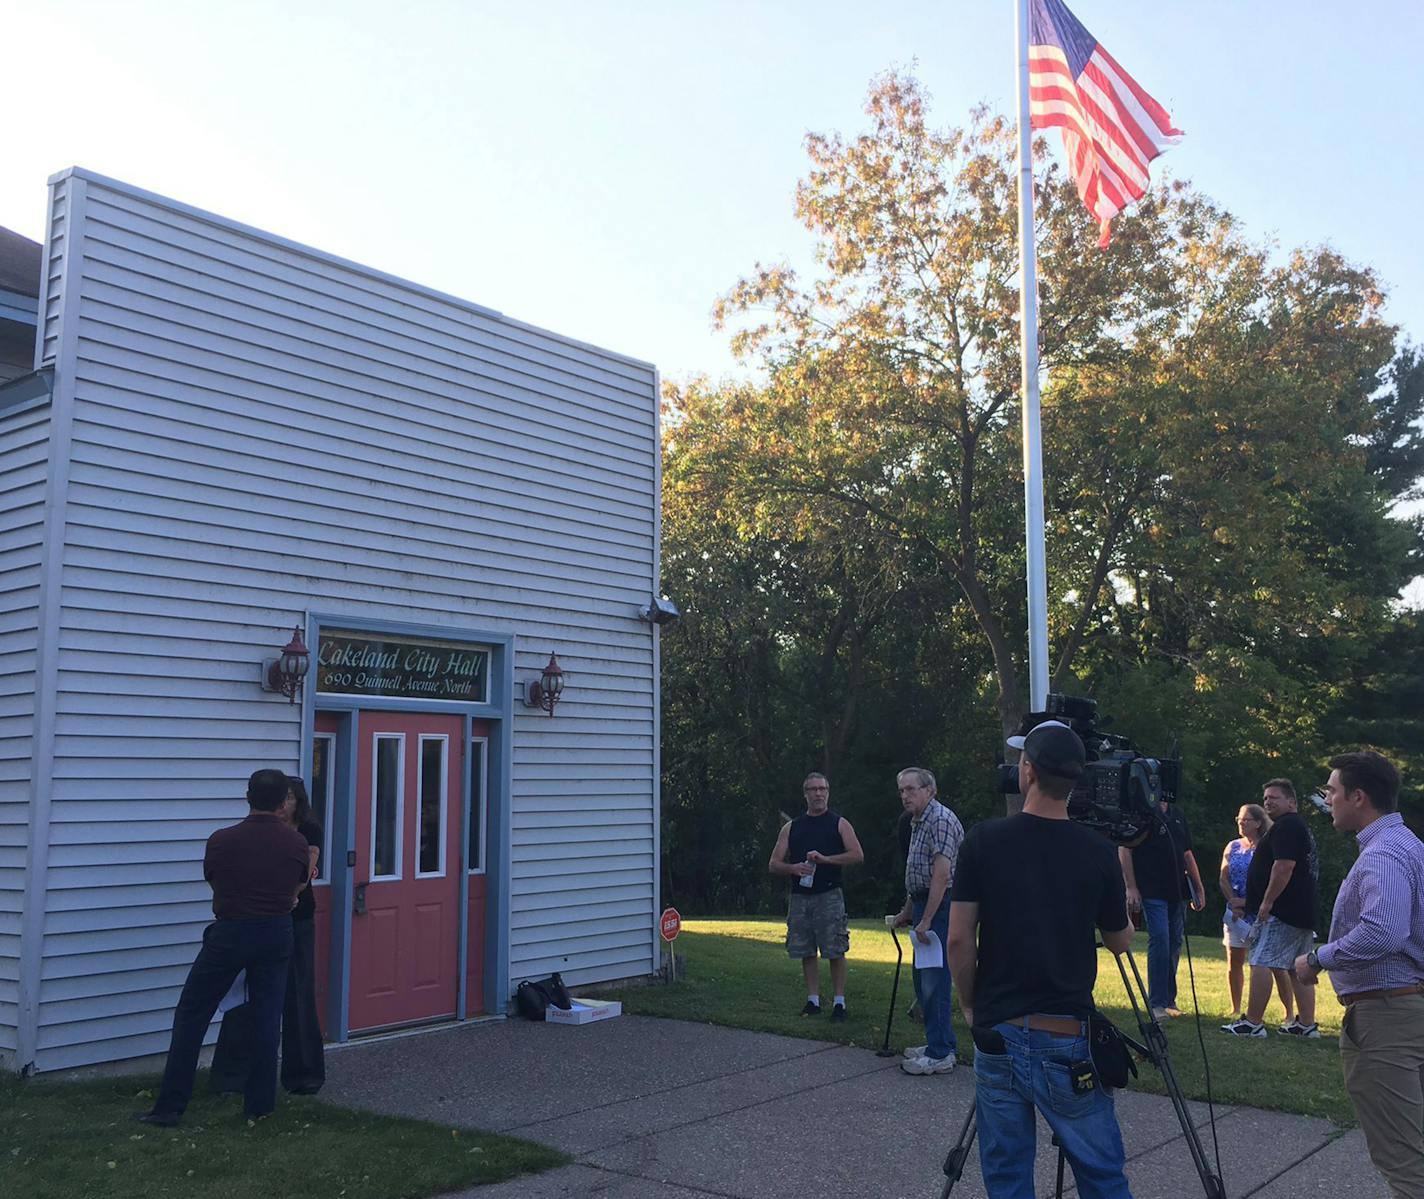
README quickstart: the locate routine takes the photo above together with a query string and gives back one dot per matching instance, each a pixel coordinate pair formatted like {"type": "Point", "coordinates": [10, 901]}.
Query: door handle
{"type": "Point", "coordinates": [360, 899]}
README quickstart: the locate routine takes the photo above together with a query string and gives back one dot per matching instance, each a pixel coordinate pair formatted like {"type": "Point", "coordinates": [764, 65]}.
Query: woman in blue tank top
{"type": "Point", "coordinates": [1252, 823]}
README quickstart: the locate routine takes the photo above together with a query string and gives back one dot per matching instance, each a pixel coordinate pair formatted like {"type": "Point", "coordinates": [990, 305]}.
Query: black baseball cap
{"type": "Point", "coordinates": [1054, 748]}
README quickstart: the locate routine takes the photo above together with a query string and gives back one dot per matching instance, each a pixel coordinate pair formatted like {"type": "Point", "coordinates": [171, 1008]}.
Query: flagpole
{"type": "Point", "coordinates": [1032, 442]}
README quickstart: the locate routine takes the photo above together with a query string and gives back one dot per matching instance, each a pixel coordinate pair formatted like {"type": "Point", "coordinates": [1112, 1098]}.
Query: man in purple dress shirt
{"type": "Point", "coordinates": [1375, 956]}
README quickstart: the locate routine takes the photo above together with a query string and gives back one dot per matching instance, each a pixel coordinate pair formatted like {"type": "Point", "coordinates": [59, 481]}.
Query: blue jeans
{"type": "Point", "coordinates": [1164, 947]}
{"type": "Point", "coordinates": [933, 988]}
{"type": "Point", "coordinates": [1033, 1073]}
{"type": "Point", "coordinates": [262, 948]}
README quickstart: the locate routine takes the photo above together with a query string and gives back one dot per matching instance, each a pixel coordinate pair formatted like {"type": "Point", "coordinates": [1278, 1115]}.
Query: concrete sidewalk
{"type": "Point", "coordinates": [662, 1109]}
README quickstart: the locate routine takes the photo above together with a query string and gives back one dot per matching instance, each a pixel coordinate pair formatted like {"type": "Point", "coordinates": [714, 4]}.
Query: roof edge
{"type": "Point", "coordinates": [222, 222]}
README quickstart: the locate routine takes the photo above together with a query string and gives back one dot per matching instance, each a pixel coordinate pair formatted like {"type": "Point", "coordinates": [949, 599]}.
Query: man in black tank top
{"type": "Point", "coordinates": [810, 851]}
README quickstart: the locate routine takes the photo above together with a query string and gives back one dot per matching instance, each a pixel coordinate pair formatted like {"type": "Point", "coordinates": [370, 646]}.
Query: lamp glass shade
{"type": "Point", "coordinates": [553, 677]}
{"type": "Point", "coordinates": [292, 666]}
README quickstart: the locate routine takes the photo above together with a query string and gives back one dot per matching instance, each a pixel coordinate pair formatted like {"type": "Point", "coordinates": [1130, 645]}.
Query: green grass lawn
{"type": "Point", "coordinates": [738, 974]}
{"type": "Point", "coordinates": [62, 1140]}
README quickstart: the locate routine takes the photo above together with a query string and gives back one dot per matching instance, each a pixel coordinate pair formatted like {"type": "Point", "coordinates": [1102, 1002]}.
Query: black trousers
{"type": "Point", "coordinates": [262, 948]}
{"type": "Point", "coordinates": [303, 1061]}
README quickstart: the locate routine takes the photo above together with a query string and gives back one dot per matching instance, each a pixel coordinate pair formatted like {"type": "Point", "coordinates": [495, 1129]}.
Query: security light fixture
{"type": "Point", "coordinates": [660, 611]}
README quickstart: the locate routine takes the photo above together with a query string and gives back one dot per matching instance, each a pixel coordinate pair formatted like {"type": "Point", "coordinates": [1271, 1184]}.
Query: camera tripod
{"type": "Point", "coordinates": [1153, 1048]}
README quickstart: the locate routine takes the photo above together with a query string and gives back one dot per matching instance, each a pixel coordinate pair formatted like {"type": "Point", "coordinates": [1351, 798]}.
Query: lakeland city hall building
{"type": "Point", "coordinates": [217, 445]}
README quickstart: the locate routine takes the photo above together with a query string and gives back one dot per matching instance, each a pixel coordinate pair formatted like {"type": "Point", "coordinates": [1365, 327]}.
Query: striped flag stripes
{"type": "Point", "coordinates": [1111, 128]}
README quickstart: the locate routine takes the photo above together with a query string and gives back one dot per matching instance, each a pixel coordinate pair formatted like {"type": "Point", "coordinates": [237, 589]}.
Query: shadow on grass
{"type": "Point", "coordinates": [59, 1140]}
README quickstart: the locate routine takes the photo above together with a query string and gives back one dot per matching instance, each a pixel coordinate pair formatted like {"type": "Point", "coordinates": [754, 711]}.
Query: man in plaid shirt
{"type": "Point", "coordinates": [935, 838]}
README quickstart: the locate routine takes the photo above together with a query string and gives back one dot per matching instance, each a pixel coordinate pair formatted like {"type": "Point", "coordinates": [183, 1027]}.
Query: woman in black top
{"type": "Point", "coordinates": [303, 1064]}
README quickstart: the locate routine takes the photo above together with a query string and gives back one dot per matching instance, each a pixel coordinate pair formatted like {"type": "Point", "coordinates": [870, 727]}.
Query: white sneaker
{"type": "Point", "coordinates": [915, 1051]}
{"type": "Point", "coordinates": [928, 1065]}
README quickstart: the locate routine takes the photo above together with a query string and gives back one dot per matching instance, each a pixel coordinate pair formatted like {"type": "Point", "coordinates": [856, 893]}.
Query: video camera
{"type": "Point", "coordinates": [1119, 791]}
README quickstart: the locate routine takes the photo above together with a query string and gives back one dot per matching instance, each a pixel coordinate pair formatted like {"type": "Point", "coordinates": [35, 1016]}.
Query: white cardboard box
{"type": "Point", "coordinates": [584, 1011]}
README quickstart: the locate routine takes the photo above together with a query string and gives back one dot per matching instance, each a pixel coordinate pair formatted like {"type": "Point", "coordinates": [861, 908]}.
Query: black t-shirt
{"type": "Point", "coordinates": [306, 901]}
{"type": "Point", "coordinates": [1290, 839]}
{"type": "Point", "coordinates": [821, 833]}
{"type": "Point", "coordinates": [1157, 864]}
{"type": "Point", "coordinates": [1043, 888]}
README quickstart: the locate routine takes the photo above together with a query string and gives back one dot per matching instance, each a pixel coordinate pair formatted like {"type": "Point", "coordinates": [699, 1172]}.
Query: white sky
{"type": "Point", "coordinates": [608, 168]}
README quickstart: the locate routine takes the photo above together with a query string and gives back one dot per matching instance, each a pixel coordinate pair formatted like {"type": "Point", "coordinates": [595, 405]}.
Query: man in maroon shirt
{"type": "Point", "coordinates": [255, 869]}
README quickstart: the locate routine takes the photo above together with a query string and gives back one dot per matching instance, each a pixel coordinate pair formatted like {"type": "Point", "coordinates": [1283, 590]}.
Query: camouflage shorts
{"type": "Point", "coordinates": [817, 924]}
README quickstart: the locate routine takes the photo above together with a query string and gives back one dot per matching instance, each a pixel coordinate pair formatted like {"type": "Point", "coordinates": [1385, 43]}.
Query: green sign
{"type": "Point", "coordinates": [383, 664]}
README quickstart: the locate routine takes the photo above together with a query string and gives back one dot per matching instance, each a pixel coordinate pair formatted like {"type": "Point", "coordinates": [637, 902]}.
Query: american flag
{"type": "Point", "coordinates": [1111, 128]}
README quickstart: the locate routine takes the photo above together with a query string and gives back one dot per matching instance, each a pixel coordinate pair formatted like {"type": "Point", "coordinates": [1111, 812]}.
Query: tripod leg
{"type": "Point", "coordinates": [1155, 1042]}
{"type": "Point", "coordinates": [954, 1162]}
{"type": "Point", "coordinates": [1058, 1186]}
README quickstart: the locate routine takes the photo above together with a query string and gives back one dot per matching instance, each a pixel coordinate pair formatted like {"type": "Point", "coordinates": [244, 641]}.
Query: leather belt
{"type": "Point", "coordinates": [920, 896]}
{"type": "Point", "coordinates": [1063, 1025]}
{"type": "Point", "coordinates": [1387, 993]}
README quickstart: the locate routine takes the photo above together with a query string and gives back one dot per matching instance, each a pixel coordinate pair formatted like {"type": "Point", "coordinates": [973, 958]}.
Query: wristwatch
{"type": "Point", "coordinates": [1312, 959]}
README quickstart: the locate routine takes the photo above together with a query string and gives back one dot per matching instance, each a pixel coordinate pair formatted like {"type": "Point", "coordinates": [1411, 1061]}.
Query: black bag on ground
{"type": "Point", "coordinates": [530, 1000]}
{"type": "Point", "coordinates": [558, 994]}
{"type": "Point", "coordinates": [1112, 1059]}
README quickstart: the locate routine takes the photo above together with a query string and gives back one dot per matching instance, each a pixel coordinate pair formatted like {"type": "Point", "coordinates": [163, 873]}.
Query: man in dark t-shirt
{"type": "Point", "coordinates": [1280, 896]}
{"type": "Point", "coordinates": [1158, 873]}
{"type": "Point", "coordinates": [255, 869]}
{"type": "Point", "coordinates": [810, 851]}
{"type": "Point", "coordinates": [1036, 889]}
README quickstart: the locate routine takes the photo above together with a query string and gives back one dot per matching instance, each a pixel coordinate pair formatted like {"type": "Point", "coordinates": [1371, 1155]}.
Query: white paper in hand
{"type": "Point", "coordinates": [928, 957]}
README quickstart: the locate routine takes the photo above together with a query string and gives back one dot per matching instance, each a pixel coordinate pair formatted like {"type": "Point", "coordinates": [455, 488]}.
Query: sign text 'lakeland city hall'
{"type": "Point", "coordinates": [382, 664]}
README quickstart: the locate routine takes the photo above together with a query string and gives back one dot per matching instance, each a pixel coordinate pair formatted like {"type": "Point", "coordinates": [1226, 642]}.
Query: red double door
{"type": "Point", "coordinates": [409, 825]}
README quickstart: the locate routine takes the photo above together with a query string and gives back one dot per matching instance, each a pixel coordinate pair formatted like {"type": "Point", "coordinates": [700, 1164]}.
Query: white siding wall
{"type": "Point", "coordinates": [24, 450]}
{"type": "Point", "coordinates": [259, 431]}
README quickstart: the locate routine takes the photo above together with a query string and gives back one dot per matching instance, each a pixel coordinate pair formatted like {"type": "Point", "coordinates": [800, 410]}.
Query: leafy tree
{"type": "Point", "coordinates": [1395, 453]}
{"type": "Point", "coordinates": [1202, 402]}
{"type": "Point", "coordinates": [846, 535]}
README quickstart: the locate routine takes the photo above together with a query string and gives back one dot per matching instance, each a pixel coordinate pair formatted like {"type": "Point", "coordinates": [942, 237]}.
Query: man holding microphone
{"type": "Point", "coordinates": [1375, 956]}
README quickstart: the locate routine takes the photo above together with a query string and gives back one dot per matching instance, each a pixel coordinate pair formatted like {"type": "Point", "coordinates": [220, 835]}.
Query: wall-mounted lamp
{"type": "Point", "coordinates": [546, 691]}
{"type": "Point", "coordinates": [286, 673]}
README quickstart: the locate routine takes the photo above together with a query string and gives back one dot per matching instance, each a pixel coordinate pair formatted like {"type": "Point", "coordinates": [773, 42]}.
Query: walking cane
{"type": "Point", "coordinates": [885, 1050]}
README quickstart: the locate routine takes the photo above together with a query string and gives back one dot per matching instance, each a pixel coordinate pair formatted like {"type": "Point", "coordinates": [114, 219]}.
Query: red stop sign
{"type": "Point", "coordinates": [669, 924]}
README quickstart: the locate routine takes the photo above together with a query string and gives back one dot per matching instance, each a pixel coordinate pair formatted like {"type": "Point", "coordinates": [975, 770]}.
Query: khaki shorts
{"type": "Point", "coordinates": [817, 924]}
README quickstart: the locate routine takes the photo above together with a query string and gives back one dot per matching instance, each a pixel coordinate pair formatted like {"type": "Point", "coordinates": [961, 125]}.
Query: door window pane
{"type": "Point", "coordinates": [476, 815]}
{"type": "Point", "coordinates": [432, 806]}
{"type": "Point", "coordinates": [386, 808]}
{"type": "Point", "coordinates": [323, 755]}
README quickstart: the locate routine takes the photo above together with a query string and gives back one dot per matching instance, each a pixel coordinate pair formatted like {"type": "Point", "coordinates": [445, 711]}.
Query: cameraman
{"type": "Point", "coordinates": [1036, 887]}
{"type": "Point", "coordinates": [1158, 873]}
